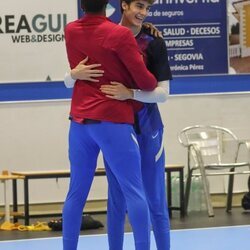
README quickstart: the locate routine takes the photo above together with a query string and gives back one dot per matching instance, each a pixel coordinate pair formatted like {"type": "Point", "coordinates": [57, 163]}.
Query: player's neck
{"type": "Point", "coordinates": [100, 13]}
{"type": "Point", "coordinates": [135, 29]}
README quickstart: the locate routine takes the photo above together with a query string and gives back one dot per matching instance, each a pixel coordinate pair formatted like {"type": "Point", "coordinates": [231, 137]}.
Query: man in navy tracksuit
{"type": "Point", "coordinates": [149, 134]}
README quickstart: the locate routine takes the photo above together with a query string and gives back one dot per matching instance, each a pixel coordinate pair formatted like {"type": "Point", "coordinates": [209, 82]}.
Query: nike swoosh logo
{"type": "Point", "coordinates": [154, 136]}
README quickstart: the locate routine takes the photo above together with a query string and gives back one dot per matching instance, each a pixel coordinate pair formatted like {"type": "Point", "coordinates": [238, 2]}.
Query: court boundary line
{"type": "Point", "coordinates": [128, 233]}
{"type": "Point", "coordinates": [210, 228]}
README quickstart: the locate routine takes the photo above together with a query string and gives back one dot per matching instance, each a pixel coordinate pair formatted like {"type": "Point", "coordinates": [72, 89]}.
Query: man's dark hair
{"type": "Point", "coordinates": [128, 2]}
{"type": "Point", "coordinates": [93, 6]}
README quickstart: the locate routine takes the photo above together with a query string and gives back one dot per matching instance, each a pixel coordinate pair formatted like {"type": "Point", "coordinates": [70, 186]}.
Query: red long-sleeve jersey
{"type": "Point", "coordinates": [114, 47]}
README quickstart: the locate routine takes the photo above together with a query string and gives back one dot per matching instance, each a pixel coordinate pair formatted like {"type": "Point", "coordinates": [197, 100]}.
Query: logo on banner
{"type": "Point", "coordinates": [113, 11]}
{"type": "Point", "coordinates": [110, 10]}
{"type": "Point", "coordinates": [34, 29]}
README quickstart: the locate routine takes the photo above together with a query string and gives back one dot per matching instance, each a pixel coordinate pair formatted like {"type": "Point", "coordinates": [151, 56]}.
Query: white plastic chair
{"type": "Point", "coordinates": [213, 150]}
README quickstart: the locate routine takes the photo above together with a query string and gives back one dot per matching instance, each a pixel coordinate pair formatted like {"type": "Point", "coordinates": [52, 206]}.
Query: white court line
{"type": "Point", "coordinates": [128, 233]}
{"type": "Point", "coordinates": [20, 240]}
{"type": "Point", "coordinates": [56, 237]}
{"type": "Point", "coordinates": [209, 228]}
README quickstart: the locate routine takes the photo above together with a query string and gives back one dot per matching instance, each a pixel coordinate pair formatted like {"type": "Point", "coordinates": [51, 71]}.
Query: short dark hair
{"type": "Point", "coordinates": [128, 2]}
{"type": "Point", "coordinates": [93, 6]}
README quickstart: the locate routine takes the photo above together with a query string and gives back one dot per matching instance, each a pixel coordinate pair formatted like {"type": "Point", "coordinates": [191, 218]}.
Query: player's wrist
{"type": "Point", "coordinates": [73, 74]}
{"type": "Point", "coordinates": [134, 95]}
{"type": "Point", "coordinates": [130, 93]}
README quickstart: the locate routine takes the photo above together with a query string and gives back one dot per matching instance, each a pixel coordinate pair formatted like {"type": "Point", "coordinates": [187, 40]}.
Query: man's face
{"type": "Point", "coordinates": [135, 12]}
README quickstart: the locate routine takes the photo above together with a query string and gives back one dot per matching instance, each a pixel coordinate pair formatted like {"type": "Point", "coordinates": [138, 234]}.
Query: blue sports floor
{"type": "Point", "coordinates": [219, 238]}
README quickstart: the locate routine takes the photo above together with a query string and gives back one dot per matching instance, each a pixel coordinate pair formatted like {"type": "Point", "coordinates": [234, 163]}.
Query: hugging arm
{"type": "Point", "coordinates": [83, 72]}
{"type": "Point", "coordinates": [120, 92]}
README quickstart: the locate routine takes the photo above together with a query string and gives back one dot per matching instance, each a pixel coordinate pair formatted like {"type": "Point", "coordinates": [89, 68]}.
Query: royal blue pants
{"type": "Point", "coordinates": [153, 174]}
{"type": "Point", "coordinates": [119, 146]}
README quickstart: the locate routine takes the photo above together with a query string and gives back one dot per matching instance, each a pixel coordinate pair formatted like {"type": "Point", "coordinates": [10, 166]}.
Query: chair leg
{"type": "Point", "coordinates": [230, 191]}
{"type": "Point", "coordinates": [187, 190]}
{"type": "Point", "coordinates": [206, 193]}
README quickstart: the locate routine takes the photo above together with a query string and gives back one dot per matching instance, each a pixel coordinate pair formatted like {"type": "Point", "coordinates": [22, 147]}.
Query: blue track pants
{"type": "Point", "coordinates": [153, 173]}
{"type": "Point", "coordinates": [119, 146]}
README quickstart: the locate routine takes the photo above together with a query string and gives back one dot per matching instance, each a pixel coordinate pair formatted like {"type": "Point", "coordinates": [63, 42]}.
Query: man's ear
{"type": "Point", "coordinates": [124, 5]}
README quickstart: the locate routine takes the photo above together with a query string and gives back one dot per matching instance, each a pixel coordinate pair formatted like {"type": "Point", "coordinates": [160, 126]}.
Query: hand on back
{"type": "Point", "coordinates": [86, 72]}
{"type": "Point", "coordinates": [117, 91]}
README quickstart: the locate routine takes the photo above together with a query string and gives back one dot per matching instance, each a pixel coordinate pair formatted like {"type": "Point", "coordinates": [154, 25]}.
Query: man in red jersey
{"type": "Point", "coordinates": [100, 123]}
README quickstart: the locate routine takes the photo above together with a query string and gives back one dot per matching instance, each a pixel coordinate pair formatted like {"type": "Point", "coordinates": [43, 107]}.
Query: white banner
{"type": "Point", "coordinates": [239, 35]}
{"type": "Point", "coordinates": [32, 44]}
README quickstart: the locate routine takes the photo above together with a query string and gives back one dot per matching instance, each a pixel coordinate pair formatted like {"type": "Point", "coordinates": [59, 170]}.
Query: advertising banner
{"type": "Point", "coordinates": [195, 32]}
{"type": "Point", "coordinates": [201, 42]}
{"type": "Point", "coordinates": [32, 41]}
{"type": "Point", "coordinates": [239, 35]}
